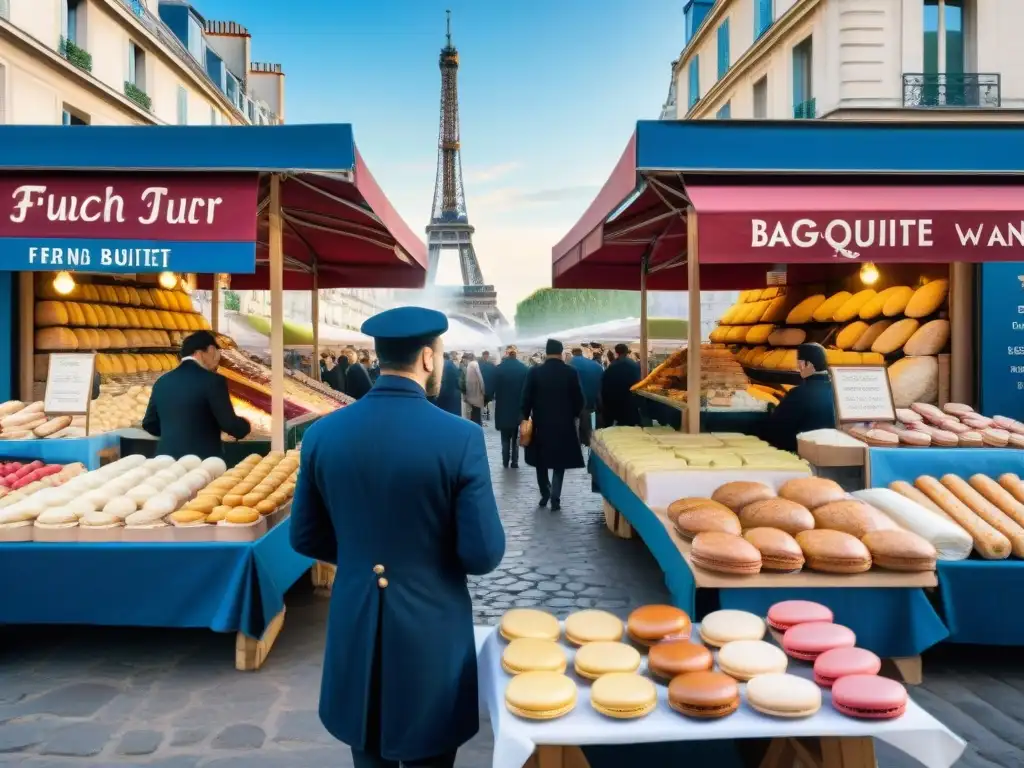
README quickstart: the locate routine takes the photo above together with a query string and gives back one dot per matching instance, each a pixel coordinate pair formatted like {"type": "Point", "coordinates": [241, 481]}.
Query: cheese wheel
{"type": "Point", "coordinates": [848, 336]}
{"type": "Point", "coordinates": [787, 337]}
{"type": "Point", "coordinates": [804, 311]}
{"type": "Point", "coordinates": [48, 339]}
{"type": "Point", "coordinates": [897, 301]}
{"type": "Point", "coordinates": [914, 380]}
{"type": "Point", "coordinates": [852, 306]}
{"type": "Point", "coordinates": [827, 309]}
{"type": "Point", "coordinates": [930, 339]}
{"type": "Point", "coordinates": [895, 336]}
{"type": "Point", "coordinates": [927, 299]}
{"type": "Point", "coordinates": [50, 313]}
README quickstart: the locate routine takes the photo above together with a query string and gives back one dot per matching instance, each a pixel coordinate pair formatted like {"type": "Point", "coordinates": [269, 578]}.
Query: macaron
{"type": "Point", "coordinates": [725, 626]}
{"type": "Point", "coordinates": [708, 517]}
{"type": "Point", "coordinates": [540, 695]}
{"type": "Point", "coordinates": [704, 695]}
{"type": "Point", "coordinates": [528, 654]}
{"type": "Point", "coordinates": [528, 622]}
{"type": "Point", "coordinates": [834, 551]}
{"type": "Point", "coordinates": [808, 641]}
{"type": "Point", "coordinates": [623, 695]}
{"type": "Point", "coordinates": [842, 662]}
{"type": "Point", "coordinates": [593, 626]}
{"type": "Point", "coordinates": [789, 613]}
{"type": "Point", "coordinates": [594, 660]}
{"type": "Point", "coordinates": [900, 550]}
{"type": "Point", "coordinates": [677, 657]}
{"type": "Point", "coordinates": [726, 553]}
{"type": "Point", "coordinates": [746, 659]}
{"type": "Point", "coordinates": [869, 697]}
{"type": "Point", "coordinates": [650, 624]}
{"type": "Point", "coordinates": [781, 695]}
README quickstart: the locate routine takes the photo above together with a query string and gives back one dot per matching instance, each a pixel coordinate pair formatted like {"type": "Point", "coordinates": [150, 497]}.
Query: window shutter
{"type": "Point", "coordinates": [725, 112]}
{"type": "Point", "coordinates": [694, 95]}
{"type": "Point", "coordinates": [182, 106]}
{"type": "Point", "coordinates": [3, 87]}
{"type": "Point", "coordinates": [723, 49]}
{"type": "Point", "coordinates": [5, 9]}
{"type": "Point", "coordinates": [762, 17]}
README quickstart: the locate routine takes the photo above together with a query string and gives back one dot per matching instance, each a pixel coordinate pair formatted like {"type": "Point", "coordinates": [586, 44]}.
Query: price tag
{"type": "Point", "coordinates": [862, 393]}
{"type": "Point", "coordinates": [69, 384]}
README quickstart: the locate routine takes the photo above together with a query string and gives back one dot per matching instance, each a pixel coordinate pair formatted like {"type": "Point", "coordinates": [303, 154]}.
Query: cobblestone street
{"type": "Point", "coordinates": [77, 697]}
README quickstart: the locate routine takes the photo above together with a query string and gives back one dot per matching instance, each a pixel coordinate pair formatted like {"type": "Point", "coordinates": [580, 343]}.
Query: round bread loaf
{"type": "Point", "coordinates": [853, 517]}
{"type": "Point", "coordinates": [812, 492]}
{"type": "Point", "coordinates": [834, 551]}
{"type": "Point", "coordinates": [914, 379]}
{"type": "Point", "coordinates": [868, 337]}
{"type": "Point", "coordinates": [779, 551]}
{"type": "Point", "coordinates": [782, 514]}
{"type": "Point", "coordinates": [930, 339]}
{"type": "Point", "coordinates": [738, 494]}
{"type": "Point", "coordinates": [709, 517]}
{"type": "Point", "coordinates": [679, 506]}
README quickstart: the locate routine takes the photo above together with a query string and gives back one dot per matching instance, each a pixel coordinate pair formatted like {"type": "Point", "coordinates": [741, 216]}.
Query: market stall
{"type": "Point", "coordinates": [908, 208]}
{"type": "Point", "coordinates": [104, 234]}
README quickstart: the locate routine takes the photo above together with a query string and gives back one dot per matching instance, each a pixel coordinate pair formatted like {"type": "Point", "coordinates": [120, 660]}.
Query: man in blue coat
{"type": "Point", "coordinates": [449, 396]}
{"type": "Point", "coordinates": [590, 379]}
{"type": "Point", "coordinates": [618, 405]}
{"type": "Point", "coordinates": [509, 378]}
{"type": "Point", "coordinates": [807, 407]}
{"type": "Point", "coordinates": [405, 521]}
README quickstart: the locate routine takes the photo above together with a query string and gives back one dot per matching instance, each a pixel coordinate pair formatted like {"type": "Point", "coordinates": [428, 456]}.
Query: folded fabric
{"type": "Point", "coordinates": [951, 542]}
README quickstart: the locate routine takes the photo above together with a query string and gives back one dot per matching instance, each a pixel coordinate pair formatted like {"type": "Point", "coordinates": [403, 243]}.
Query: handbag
{"type": "Point", "coordinates": [525, 432]}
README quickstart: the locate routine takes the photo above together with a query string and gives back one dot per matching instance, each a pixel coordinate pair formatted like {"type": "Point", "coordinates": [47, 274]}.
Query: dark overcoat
{"type": "Point", "coordinates": [618, 404]}
{"type": "Point", "coordinates": [509, 377]}
{"type": "Point", "coordinates": [450, 397]}
{"type": "Point", "coordinates": [357, 381]}
{"type": "Point", "coordinates": [405, 521]}
{"type": "Point", "coordinates": [590, 372]}
{"type": "Point", "coordinates": [188, 410]}
{"type": "Point", "coordinates": [807, 407]}
{"type": "Point", "coordinates": [553, 398]}
{"type": "Point", "coordinates": [488, 371]}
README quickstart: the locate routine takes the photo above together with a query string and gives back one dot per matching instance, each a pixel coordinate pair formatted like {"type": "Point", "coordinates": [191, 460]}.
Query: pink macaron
{"type": "Point", "coordinates": [789, 613]}
{"type": "Point", "coordinates": [808, 641]}
{"type": "Point", "coordinates": [843, 662]}
{"type": "Point", "coordinates": [869, 697]}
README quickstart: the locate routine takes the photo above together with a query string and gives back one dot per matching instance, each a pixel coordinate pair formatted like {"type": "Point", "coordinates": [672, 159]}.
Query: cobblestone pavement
{"type": "Point", "coordinates": [83, 697]}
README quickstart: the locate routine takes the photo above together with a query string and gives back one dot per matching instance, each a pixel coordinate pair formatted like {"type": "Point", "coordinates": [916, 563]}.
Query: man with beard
{"type": "Point", "coordinates": [405, 521]}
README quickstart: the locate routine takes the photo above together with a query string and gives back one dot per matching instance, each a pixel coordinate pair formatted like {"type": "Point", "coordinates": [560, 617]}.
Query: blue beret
{"type": "Point", "coordinates": [406, 323]}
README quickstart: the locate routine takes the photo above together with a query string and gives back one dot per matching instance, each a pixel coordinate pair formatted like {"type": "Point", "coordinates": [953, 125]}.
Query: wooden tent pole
{"type": "Point", "coordinates": [693, 327]}
{"type": "Point", "coordinates": [961, 322]}
{"type": "Point", "coordinates": [276, 316]}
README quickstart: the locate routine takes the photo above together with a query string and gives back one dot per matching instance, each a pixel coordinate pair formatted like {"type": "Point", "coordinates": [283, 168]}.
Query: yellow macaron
{"type": "Point", "coordinates": [592, 626]}
{"type": "Point", "coordinates": [540, 695]}
{"type": "Point", "coordinates": [528, 622]}
{"type": "Point", "coordinates": [623, 695]}
{"type": "Point", "coordinates": [528, 654]}
{"type": "Point", "coordinates": [594, 660]}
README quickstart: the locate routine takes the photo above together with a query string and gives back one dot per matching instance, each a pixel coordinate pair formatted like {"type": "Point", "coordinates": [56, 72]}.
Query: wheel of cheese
{"type": "Point", "coordinates": [896, 303]}
{"type": "Point", "coordinates": [895, 336]}
{"type": "Point", "coordinates": [804, 311]}
{"type": "Point", "coordinates": [848, 336]}
{"type": "Point", "coordinates": [914, 380]}
{"type": "Point", "coordinates": [826, 311]}
{"type": "Point", "coordinates": [50, 313]}
{"type": "Point", "coordinates": [50, 339]}
{"type": "Point", "coordinates": [852, 306]}
{"type": "Point", "coordinates": [930, 339]}
{"type": "Point", "coordinates": [927, 299]}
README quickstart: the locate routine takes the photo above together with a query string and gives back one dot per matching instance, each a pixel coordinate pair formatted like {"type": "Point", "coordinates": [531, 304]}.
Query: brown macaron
{"type": "Point", "coordinates": [812, 492]}
{"type": "Point", "coordinates": [679, 506]}
{"type": "Point", "coordinates": [738, 494]}
{"type": "Point", "coordinates": [779, 551]}
{"type": "Point", "coordinates": [650, 624]}
{"type": "Point", "coordinates": [708, 517]}
{"type": "Point", "coordinates": [677, 657]}
{"type": "Point", "coordinates": [704, 695]}
{"type": "Point", "coordinates": [834, 551]}
{"type": "Point", "coordinates": [900, 551]}
{"type": "Point", "coordinates": [783, 514]}
{"type": "Point", "coordinates": [853, 517]}
{"type": "Point", "coordinates": [725, 553]}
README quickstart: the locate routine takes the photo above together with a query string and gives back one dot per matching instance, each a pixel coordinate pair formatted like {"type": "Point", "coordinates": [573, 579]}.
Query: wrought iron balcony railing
{"type": "Point", "coordinates": [806, 110]}
{"type": "Point", "coordinates": [968, 90]}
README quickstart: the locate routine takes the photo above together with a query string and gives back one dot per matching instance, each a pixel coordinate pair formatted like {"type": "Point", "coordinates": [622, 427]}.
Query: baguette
{"type": "Point", "coordinates": [987, 511]}
{"type": "Point", "coordinates": [20, 419]}
{"type": "Point", "coordinates": [1013, 484]}
{"type": "Point", "coordinates": [10, 408]}
{"type": "Point", "coordinates": [908, 491]}
{"type": "Point", "coordinates": [999, 496]}
{"type": "Point", "coordinates": [988, 542]}
{"type": "Point", "coordinates": [52, 426]}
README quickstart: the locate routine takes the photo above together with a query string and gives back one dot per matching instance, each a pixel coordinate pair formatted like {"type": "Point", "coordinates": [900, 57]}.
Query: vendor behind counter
{"type": "Point", "coordinates": [808, 406]}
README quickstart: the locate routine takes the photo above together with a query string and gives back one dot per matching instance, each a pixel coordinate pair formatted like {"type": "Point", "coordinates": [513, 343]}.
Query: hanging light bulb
{"type": "Point", "coordinates": [168, 280]}
{"type": "Point", "coordinates": [63, 283]}
{"type": "Point", "coordinates": [869, 274]}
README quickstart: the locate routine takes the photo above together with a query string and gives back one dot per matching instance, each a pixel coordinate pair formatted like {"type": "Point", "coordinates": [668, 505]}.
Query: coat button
{"type": "Point", "coordinates": [382, 582]}
{"type": "Point", "coordinates": [378, 569]}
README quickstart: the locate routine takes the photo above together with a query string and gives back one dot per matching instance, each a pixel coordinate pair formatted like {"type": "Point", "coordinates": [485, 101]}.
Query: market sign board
{"type": "Point", "coordinates": [129, 223]}
{"type": "Point", "coordinates": [1001, 332]}
{"type": "Point", "coordinates": [862, 394]}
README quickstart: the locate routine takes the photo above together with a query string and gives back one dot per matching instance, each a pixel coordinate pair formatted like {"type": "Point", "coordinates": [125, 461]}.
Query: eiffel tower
{"type": "Point", "coordinates": [449, 227]}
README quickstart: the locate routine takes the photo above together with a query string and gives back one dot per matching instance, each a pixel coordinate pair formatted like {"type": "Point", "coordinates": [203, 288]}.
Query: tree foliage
{"type": "Point", "coordinates": [232, 301]}
{"type": "Point", "coordinates": [552, 309]}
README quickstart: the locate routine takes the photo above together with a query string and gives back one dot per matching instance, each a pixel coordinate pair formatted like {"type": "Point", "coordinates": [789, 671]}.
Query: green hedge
{"type": "Point", "coordinates": [551, 309]}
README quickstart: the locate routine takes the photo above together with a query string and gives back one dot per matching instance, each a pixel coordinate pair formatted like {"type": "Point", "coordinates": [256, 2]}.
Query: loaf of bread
{"type": "Point", "coordinates": [804, 311]}
{"type": "Point", "coordinates": [852, 306]}
{"type": "Point", "coordinates": [52, 426]}
{"type": "Point", "coordinates": [930, 339]}
{"type": "Point", "coordinates": [787, 337]}
{"type": "Point", "coordinates": [847, 338]}
{"type": "Point", "coordinates": [873, 307]}
{"type": "Point", "coordinates": [867, 339]}
{"type": "Point", "coordinates": [927, 299]}
{"type": "Point", "coordinates": [895, 336]}
{"type": "Point", "coordinates": [951, 542]}
{"type": "Point", "coordinates": [52, 339]}
{"type": "Point", "coordinates": [897, 301]}
{"type": "Point", "coordinates": [987, 511]}
{"type": "Point", "coordinates": [1003, 500]}
{"type": "Point", "coordinates": [1013, 484]}
{"type": "Point", "coordinates": [990, 543]}
{"type": "Point", "coordinates": [914, 380]}
{"type": "Point", "coordinates": [826, 311]}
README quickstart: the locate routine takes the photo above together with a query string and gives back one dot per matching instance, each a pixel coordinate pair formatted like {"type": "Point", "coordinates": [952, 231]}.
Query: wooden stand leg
{"type": "Point", "coordinates": [323, 578]}
{"type": "Point", "coordinates": [780, 754]}
{"type": "Point", "coordinates": [557, 757]}
{"type": "Point", "coordinates": [616, 523]}
{"type": "Point", "coordinates": [848, 753]}
{"type": "Point", "coordinates": [909, 669]}
{"type": "Point", "coordinates": [250, 653]}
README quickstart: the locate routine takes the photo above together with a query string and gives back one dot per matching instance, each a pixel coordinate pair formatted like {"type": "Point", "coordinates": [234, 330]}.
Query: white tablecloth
{"type": "Point", "coordinates": [917, 733]}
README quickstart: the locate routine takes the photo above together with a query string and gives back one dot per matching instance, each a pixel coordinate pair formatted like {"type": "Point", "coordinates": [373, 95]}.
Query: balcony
{"type": "Point", "coordinates": [75, 54]}
{"type": "Point", "coordinates": [137, 95]}
{"type": "Point", "coordinates": [971, 90]}
{"type": "Point", "coordinates": [806, 110]}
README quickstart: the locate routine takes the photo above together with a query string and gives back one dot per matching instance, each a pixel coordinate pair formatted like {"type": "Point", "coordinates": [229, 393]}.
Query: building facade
{"type": "Point", "coordinates": [129, 62]}
{"type": "Point", "coordinates": [339, 307]}
{"type": "Point", "coordinates": [851, 60]}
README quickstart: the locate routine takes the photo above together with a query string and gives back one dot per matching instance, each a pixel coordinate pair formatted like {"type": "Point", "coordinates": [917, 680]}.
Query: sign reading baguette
{"type": "Point", "coordinates": [69, 384]}
{"type": "Point", "coordinates": [862, 393]}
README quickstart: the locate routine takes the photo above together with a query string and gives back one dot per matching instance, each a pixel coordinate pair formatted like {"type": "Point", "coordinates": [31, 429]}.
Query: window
{"type": "Point", "coordinates": [803, 97]}
{"type": "Point", "coordinates": [723, 49]}
{"type": "Point", "coordinates": [182, 106]}
{"type": "Point", "coordinates": [694, 94]}
{"type": "Point", "coordinates": [136, 66]}
{"type": "Point", "coordinates": [763, 17]}
{"type": "Point", "coordinates": [72, 20]}
{"type": "Point", "coordinates": [214, 117]}
{"type": "Point", "coordinates": [5, 12]}
{"type": "Point", "coordinates": [196, 40]}
{"type": "Point", "coordinates": [72, 116]}
{"type": "Point", "coordinates": [945, 83]}
{"type": "Point", "coordinates": [232, 89]}
{"type": "Point", "coordinates": [725, 112]}
{"type": "Point", "coordinates": [3, 88]}
{"type": "Point", "coordinates": [761, 98]}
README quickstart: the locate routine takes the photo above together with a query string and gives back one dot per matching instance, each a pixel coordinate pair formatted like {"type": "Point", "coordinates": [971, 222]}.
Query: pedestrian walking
{"type": "Point", "coordinates": [400, 668]}
{"type": "Point", "coordinates": [553, 399]}
{"type": "Point", "coordinates": [509, 378]}
{"type": "Point", "coordinates": [487, 369]}
{"type": "Point", "coordinates": [476, 395]}
{"type": "Point", "coordinates": [618, 405]}
{"type": "Point", "coordinates": [590, 372]}
{"type": "Point", "coordinates": [449, 398]}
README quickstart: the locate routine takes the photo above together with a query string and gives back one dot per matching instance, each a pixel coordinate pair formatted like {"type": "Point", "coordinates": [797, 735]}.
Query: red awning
{"type": "Point", "coordinates": [345, 226]}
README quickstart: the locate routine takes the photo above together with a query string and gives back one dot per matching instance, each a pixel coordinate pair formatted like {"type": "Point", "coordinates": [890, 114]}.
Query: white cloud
{"type": "Point", "coordinates": [489, 173]}
{"type": "Point", "coordinates": [504, 198]}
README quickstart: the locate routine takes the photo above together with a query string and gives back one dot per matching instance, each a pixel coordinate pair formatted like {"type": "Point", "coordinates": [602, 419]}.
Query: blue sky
{"type": "Point", "coordinates": [549, 92]}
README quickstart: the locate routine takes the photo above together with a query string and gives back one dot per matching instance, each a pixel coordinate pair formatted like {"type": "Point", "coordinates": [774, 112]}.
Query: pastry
{"type": "Point", "coordinates": [900, 551]}
{"type": "Point", "coordinates": [529, 622]}
{"type": "Point", "coordinates": [971, 440]}
{"type": "Point", "coordinates": [679, 506]}
{"type": "Point", "coordinates": [988, 542]}
{"type": "Point", "coordinates": [841, 662]}
{"type": "Point", "coordinates": [779, 550]}
{"type": "Point", "coordinates": [812, 492]}
{"type": "Point", "coordinates": [908, 416]}
{"type": "Point", "coordinates": [950, 541]}
{"type": "Point", "coordinates": [786, 515]}
{"type": "Point", "coordinates": [914, 438]}
{"type": "Point", "coordinates": [976, 421]}
{"type": "Point", "coordinates": [929, 412]}
{"type": "Point", "coordinates": [528, 654]}
{"type": "Point", "coordinates": [676, 657]}
{"type": "Point", "coordinates": [725, 553]}
{"type": "Point", "coordinates": [851, 516]}
{"type": "Point", "coordinates": [834, 552]}
{"type": "Point", "coordinates": [869, 697]}
{"type": "Point", "coordinates": [727, 625]}
{"type": "Point", "coordinates": [596, 659]}
{"type": "Point", "coordinates": [997, 438]}
{"type": "Point", "coordinates": [808, 641]}
{"type": "Point", "coordinates": [700, 519]}
{"type": "Point", "coordinates": [704, 694]}
{"type": "Point", "coordinates": [591, 626]}
{"type": "Point", "coordinates": [881, 438]}
{"type": "Point", "coordinates": [737, 495]}
{"type": "Point", "coordinates": [240, 516]}
{"type": "Point", "coordinates": [623, 695]}
{"type": "Point", "coordinates": [782, 695]}
{"type": "Point", "coordinates": [745, 659]}
{"type": "Point", "coordinates": [789, 613]}
{"type": "Point", "coordinates": [540, 695]}
{"type": "Point", "coordinates": [650, 624]}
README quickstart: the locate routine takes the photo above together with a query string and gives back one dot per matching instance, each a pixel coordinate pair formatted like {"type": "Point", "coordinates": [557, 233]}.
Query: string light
{"type": "Point", "coordinates": [63, 283]}
{"type": "Point", "coordinates": [168, 280]}
{"type": "Point", "coordinates": [869, 274]}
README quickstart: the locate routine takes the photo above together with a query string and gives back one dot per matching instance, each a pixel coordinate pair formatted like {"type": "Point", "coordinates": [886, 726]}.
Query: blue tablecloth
{"type": "Point", "coordinates": [980, 598]}
{"type": "Point", "coordinates": [83, 449]}
{"type": "Point", "coordinates": [890, 622]}
{"type": "Point", "coordinates": [226, 587]}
